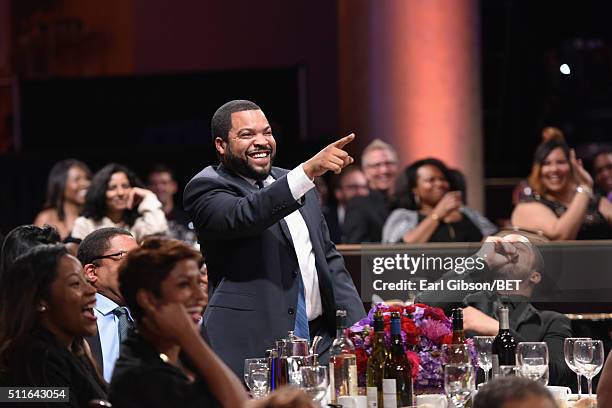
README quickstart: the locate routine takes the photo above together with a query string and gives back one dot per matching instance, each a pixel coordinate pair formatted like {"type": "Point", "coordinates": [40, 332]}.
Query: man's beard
{"type": "Point", "coordinates": [241, 166]}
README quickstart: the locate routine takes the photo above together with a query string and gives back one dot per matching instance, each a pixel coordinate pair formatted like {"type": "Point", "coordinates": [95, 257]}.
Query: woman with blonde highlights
{"type": "Point", "coordinates": [562, 205]}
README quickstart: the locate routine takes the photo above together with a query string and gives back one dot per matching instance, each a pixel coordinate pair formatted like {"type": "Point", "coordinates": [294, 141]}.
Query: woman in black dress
{"type": "Point", "coordinates": [46, 309]}
{"type": "Point", "coordinates": [561, 204]}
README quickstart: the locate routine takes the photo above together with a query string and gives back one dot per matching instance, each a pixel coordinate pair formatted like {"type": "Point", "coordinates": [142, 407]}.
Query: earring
{"type": "Point", "coordinates": [42, 308]}
{"type": "Point", "coordinates": [417, 200]}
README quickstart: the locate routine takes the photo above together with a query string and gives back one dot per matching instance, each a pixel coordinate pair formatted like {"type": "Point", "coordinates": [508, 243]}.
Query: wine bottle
{"type": "Point", "coordinates": [458, 335]}
{"type": "Point", "coordinates": [504, 345]}
{"type": "Point", "coordinates": [342, 362]}
{"type": "Point", "coordinates": [376, 363]}
{"type": "Point", "coordinates": [397, 374]}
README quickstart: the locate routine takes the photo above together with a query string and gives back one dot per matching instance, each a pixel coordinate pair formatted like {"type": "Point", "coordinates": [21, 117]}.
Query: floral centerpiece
{"type": "Point", "coordinates": [425, 330]}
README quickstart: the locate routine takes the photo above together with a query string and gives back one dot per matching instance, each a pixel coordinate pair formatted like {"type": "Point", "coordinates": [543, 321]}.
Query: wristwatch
{"type": "Point", "coordinates": [583, 189]}
{"type": "Point", "coordinates": [435, 217]}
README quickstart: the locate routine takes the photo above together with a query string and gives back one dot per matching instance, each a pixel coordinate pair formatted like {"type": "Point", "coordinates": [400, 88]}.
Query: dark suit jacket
{"type": "Point", "coordinates": [365, 217]}
{"type": "Point", "coordinates": [96, 349]}
{"type": "Point", "coordinates": [252, 265]}
{"type": "Point", "coordinates": [330, 212]}
{"type": "Point", "coordinates": [526, 322]}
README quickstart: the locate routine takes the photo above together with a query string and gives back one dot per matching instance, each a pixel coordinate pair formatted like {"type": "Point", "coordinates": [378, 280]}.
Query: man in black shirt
{"type": "Point", "coordinates": [509, 258]}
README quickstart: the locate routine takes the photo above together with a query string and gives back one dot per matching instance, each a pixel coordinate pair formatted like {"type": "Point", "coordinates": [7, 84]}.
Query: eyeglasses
{"type": "Point", "coordinates": [117, 256]}
{"type": "Point", "coordinates": [381, 164]}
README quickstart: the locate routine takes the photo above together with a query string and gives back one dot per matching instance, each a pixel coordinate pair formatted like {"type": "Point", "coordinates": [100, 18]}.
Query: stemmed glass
{"type": "Point", "coordinates": [314, 382]}
{"type": "Point", "coordinates": [484, 347]}
{"type": "Point", "coordinates": [455, 354]}
{"type": "Point", "coordinates": [256, 376]}
{"type": "Point", "coordinates": [589, 358]}
{"type": "Point", "coordinates": [532, 359]}
{"type": "Point", "coordinates": [568, 352]}
{"type": "Point", "coordinates": [459, 383]}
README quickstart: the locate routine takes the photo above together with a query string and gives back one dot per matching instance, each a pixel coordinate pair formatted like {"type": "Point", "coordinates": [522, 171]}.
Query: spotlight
{"type": "Point", "coordinates": [565, 69]}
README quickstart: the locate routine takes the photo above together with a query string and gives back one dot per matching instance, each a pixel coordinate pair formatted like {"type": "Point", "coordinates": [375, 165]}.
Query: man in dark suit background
{"type": "Point", "coordinates": [272, 267]}
{"type": "Point", "coordinates": [100, 253]}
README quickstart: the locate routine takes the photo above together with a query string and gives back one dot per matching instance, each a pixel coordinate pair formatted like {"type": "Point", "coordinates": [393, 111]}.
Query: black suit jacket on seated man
{"type": "Point", "coordinates": [526, 322]}
{"type": "Point", "coordinates": [252, 264]}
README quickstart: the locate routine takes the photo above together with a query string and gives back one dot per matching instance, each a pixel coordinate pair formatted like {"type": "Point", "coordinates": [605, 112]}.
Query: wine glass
{"type": "Point", "coordinates": [314, 381]}
{"type": "Point", "coordinates": [484, 347]}
{"type": "Point", "coordinates": [455, 354]}
{"type": "Point", "coordinates": [589, 358]}
{"type": "Point", "coordinates": [459, 383]}
{"type": "Point", "coordinates": [256, 376]}
{"type": "Point", "coordinates": [532, 359]}
{"type": "Point", "coordinates": [568, 352]}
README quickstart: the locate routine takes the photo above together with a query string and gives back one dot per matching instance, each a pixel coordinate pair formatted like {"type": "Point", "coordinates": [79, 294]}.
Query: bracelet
{"type": "Point", "coordinates": [435, 217]}
{"type": "Point", "coordinates": [583, 189]}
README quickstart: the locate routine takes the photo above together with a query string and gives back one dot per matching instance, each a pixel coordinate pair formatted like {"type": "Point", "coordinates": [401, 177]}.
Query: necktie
{"type": "Point", "coordinates": [124, 322]}
{"type": "Point", "coordinates": [301, 318]}
{"type": "Point", "coordinates": [259, 184]}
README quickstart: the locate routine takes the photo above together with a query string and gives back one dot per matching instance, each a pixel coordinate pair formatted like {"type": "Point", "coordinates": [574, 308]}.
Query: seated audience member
{"type": "Point", "coordinates": [602, 172]}
{"type": "Point", "coordinates": [514, 392]}
{"type": "Point", "coordinates": [349, 184]}
{"type": "Point", "coordinates": [510, 257]}
{"type": "Point", "coordinates": [604, 387]}
{"type": "Point", "coordinates": [66, 189]}
{"type": "Point", "coordinates": [431, 208]}
{"type": "Point", "coordinates": [163, 184]}
{"type": "Point", "coordinates": [115, 199]}
{"type": "Point", "coordinates": [22, 238]}
{"type": "Point", "coordinates": [562, 204]}
{"type": "Point", "coordinates": [165, 362]}
{"type": "Point", "coordinates": [101, 253]}
{"type": "Point", "coordinates": [47, 309]}
{"type": "Point", "coordinates": [365, 216]}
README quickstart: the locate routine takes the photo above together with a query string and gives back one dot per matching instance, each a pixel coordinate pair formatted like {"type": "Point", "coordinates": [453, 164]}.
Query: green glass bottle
{"type": "Point", "coordinates": [376, 363]}
{"type": "Point", "coordinates": [397, 377]}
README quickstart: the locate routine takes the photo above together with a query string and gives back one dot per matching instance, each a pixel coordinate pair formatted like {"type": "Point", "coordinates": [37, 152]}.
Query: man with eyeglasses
{"type": "Point", "coordinates": [101, 253]}
{"type": "Point", "coordinates": [365, 216]}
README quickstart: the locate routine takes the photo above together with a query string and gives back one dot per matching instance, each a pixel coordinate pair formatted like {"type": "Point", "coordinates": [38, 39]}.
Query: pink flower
{"type": "Point", "coordinates": [434, 329]}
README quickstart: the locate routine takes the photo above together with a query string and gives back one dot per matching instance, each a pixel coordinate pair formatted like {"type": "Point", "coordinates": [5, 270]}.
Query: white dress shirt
{"type": "Point", "coordinates": [108, 330]}
{"type": "Point", "coordinates": [299, 184]}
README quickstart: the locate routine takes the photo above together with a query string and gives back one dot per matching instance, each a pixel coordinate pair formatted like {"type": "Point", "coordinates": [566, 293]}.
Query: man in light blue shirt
{"type": "Point", "coordinates": [101, 253]}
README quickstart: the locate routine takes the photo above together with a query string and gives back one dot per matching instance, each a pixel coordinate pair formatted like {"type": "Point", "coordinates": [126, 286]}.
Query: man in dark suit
{"type": "Point", "coordinates": [512, 257]}
{"type": "Point", "coordinates": [271, 265]}
{"type": "Point", "coordinates": [101, 252]}
{"type": "Point", "coordinates": [365, 216]}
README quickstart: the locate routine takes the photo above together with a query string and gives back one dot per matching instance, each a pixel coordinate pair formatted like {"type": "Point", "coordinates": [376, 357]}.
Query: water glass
{"type": "Point", "coordinates": [532, 358]}
{"type": "Point", "coordinates": [459, 383]}
{"type": "Point", "coordinates": [256, 376]}
{"type": "Point", "coordinates": [484, 348]}
{"type": "Point", "coordinates": [568, 353]}
{"type": "Point", "coordinates": [589, 358]}
{"type": "Point", "coordinates": [314, 381]}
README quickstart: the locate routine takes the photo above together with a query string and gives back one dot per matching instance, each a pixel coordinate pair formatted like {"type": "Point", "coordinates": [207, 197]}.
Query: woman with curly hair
{"type": "Point", "coordinates": [430, 208]}
{"type": "Point", "coordinates": [561, 204]}
{"type": "Point", "coordinates": [66, 189]}
{"type": "Point", "coordinates": [116, 199]}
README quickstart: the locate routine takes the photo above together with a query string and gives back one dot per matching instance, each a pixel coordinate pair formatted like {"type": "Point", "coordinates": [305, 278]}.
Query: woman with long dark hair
{"type": "Point", "coordinates": [430, 208]}
{"type": "Point", "coordinates": [66, 189]}
{"type": "Point", "coordinates": [562, 205]}
{"type": "Point", "coordinates": [116, 199]}
{"type": "Point", "coordinates": [46, 310]}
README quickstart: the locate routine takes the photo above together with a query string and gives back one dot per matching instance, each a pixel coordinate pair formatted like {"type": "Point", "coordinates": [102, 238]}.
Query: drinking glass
{"type": "Point", "coordinates": [508, 371]}
{"type": "Point", "coordinates": [568, 352]}
{"type": "Point", "coordinates": [484, 347]}
{"type": "Point", "coordinates": [256, 376]}
{"type": "Point", "coordinates": [455, 354]}
{"type": "Point", "coordinates": [589, 358]}
{"type": "Point", "coordinates": [532, 358]}
{"type": "Point", "coordinates": [459, 383]}
{"type": "Point", "coordinates": [314, 381]}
